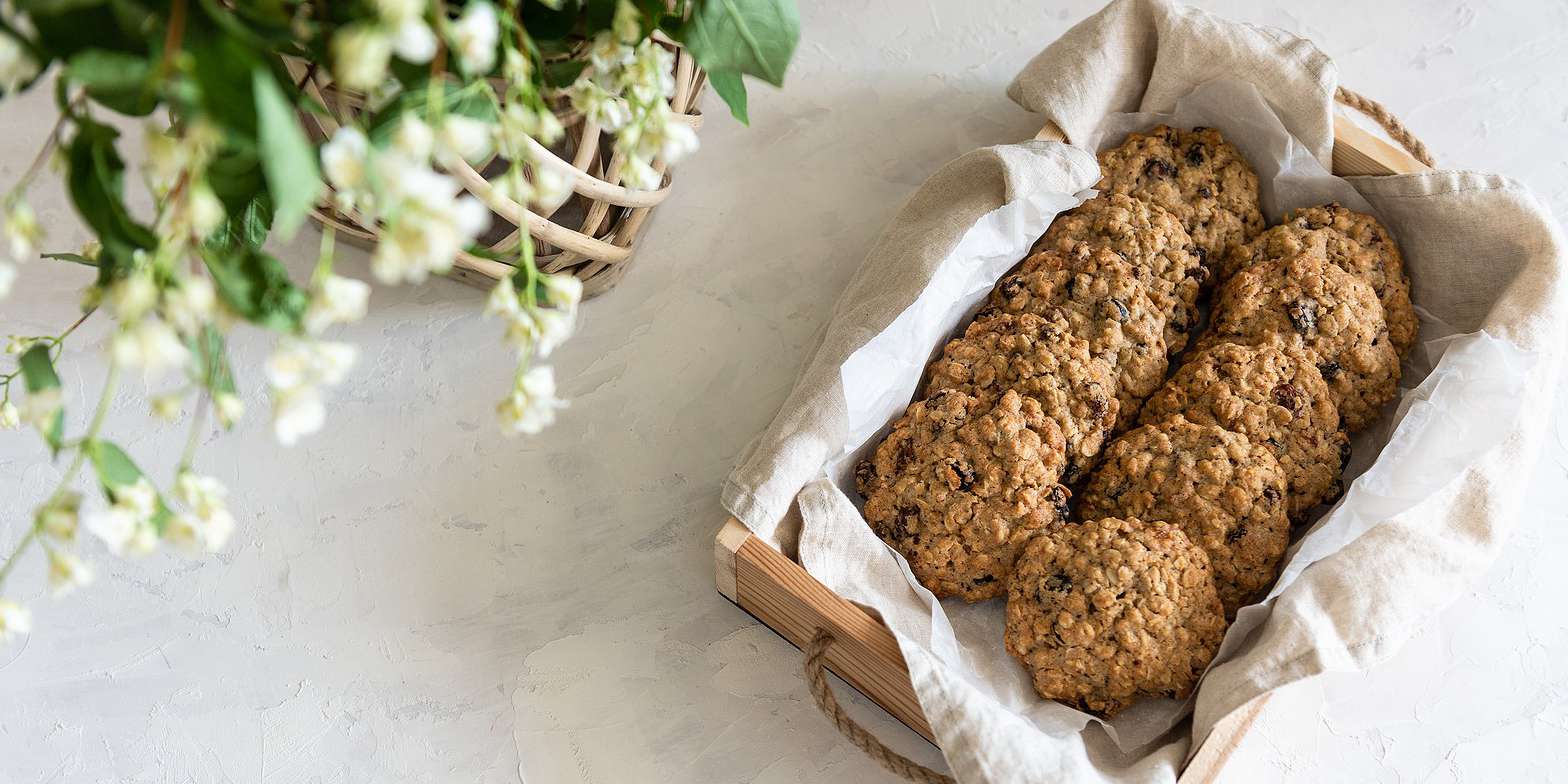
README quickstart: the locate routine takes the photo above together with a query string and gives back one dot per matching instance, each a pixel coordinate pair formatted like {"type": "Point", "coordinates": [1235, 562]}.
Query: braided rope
{"type": "Point", "coordinates": [817, 679]}
{"type": "Point", "coordinates": [1396, 129]}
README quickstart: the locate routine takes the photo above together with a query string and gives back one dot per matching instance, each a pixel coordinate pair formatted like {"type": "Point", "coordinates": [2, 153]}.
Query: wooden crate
{"type": "Point", "coordinates": [780, 593]}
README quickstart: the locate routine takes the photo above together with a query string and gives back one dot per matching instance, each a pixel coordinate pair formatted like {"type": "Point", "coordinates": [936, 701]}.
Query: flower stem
{"type": "Point", "coordinates": [78, 458]}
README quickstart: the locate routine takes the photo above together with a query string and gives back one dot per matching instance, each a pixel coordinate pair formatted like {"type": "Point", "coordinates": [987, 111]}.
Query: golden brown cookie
{"type": "Point", "coordinates": [1197, 176]}
{"type": "Point", "coordinates": [1307, 303]}
{"type": "Point", "coordinates": [1226, 494]}
{"type": "Point", "coordinates": [1099, 295]}
{"type": "Point", "coordinates": [958, 489]}
{"type": "Point", "coordinates": [1354, 242]}
{"type": "Point", "coordinates": [1272, 395]}
{"type": "Point", "coordinates": [1043, 360]}
{"type": "Point", "coordinates": [1149, 238]}
{"type": "Point", "coordinates": [1105, 611]}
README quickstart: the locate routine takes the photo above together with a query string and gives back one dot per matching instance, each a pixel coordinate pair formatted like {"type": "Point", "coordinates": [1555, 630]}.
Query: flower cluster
{"type": "Point", "coordinates": [537, 321]}
{"type": "Point", "coordinates": [439, 96]}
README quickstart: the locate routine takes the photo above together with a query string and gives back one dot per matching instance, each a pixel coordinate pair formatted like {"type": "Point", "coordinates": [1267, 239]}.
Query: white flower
{"type": "Point", "coordinates": [16, 65]}
{"type": "Point", "coordinates": [140, 498]}
{"type": "Point", "coordinates": [116, 526]}
{"type": "Point", "coordinates": [189, 304]}
{"type": "Point", "coordinates": [203, 494]}
{"type": "Point", "coordinates": [551, 186]}
{"type": "Point", "coordinates": [216, 529]}
{"type": "Point", "coordinates": [360, 54]}
{"type": "Point", "coordinates": [608, 54]}
{"type": "Point", "coordinates": [308, 363]}
{"type": "Point", "coordinates": [16, 344]}
{"type": "Point", "coordinates": [10, 417]}
{"type": "Point", "coordinates": [413, 137]}
{"type": "Point", "coordinates": [521, 332]}
{"type": "Point", "coordinates": [515, 66]}
{"type": "Point", "coordinates": [133, 296]}
{"type": "Point", "coordinates": [413, 41]}
{"type": "Point", "coordinates": [229, 407]}
{"type": "Point", "coordinates": [650, 75]}
{"type": "Point", "coordinates": [167, 407]}
{"type": "Point", "coordinates": [151, 345]}
{"type": "Point", "coordinates": [475, 36]}
{"type": "Point", "coordinates": [38, 409]}
{"type": "Point", "coordinates": [394, 11]}
{"type": "Point", "coordinates": [336, 300]}
{"type": "Point", "coordinates": [15, 620]}
{"type": "Point", "coordinates": [7, 278]}
{"type": "Point", "coordinates": [344, 159]}
{"type": "Point", "coordinates": [636, 173]}
{"type": "Point", "coordinates": [297, 412]}
{"type": "Point", "coordinates": [66, 571]}
{"type": "Point", "coordinates": [532, 405]}
{"type": "Point", "coordinates": [206, 210]}
{"type": "Point", "coordinates": [564, 290]}
{"type": "Point", "coordinates": [628, 22]}
{"type": "Point", "coordinates": [427, 239]}
{"type": "Point", "coordinates": [165, 160]}
{"type": "Point", "coordinates": [192, 534]}
{"type": "Point", "coordinates": [676, 140]}
{"type": "Point", "coordinates": [22, 231]}
{"type": "Point", "coordinates": [519, 123]}
{"type": "Point", "coordinates": [552, 327]}
{"type": "Point", "coordinates": [503, 299]}
{"type": "Point", "coordinates": [611, 112]}
{"type": "Point", "coordinates": [465, 137]}
{"type": "Point", "coordinates": [59, 519]}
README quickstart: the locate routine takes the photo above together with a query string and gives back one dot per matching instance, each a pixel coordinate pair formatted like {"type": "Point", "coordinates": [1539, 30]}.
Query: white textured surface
{"type": "Point", "coordinates": [413, 598]}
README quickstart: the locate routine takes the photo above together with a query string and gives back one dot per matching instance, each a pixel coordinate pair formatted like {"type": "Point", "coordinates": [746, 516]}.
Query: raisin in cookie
{"type": "Point", "coordinates": [1196, 175]}
{"type": "Point", "coordinates": [1105, 611]}
{"type": "Point", "coordinates": [1149, 238]}
{"type": "Point", "coordinates": [1272, 395]}
{"type": "Point", "coordinates": [1100, 296]}
{"type": "Point", "coordinates": [1352, 241]}
{"type": "Point", "coordinates": [1226, 494]}
{"type": "Point", "coordinates": [958, 490]}
{"type": "Point", "coordinates": [1042, 360]}
{"type": "Point", "coordinates": [1334, 316]}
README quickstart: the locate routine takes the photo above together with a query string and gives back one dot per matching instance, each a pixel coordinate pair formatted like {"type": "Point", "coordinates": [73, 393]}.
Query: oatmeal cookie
{"type": "Point", "coordinates": [1149, 238]}
{"type": "Point", "coordinates": [1272, 395]}
{"type": "Point", "coordinates": [1307, 303]}
{"type": "Point", "coordinates": [1226, 494]}
{"type": "Point", "coordinates": [1042, 360]}
{"type": "Point", "coordinates": [1354, 242]}
{"type": "Point", "coordinates": [1196, 175]}
{"type": "Point", "coordinates": [1105, 611]}
{"type": "Point", "coordinates": [1099, 295]}
{"type": "Point", "coordinates": [958, 489]}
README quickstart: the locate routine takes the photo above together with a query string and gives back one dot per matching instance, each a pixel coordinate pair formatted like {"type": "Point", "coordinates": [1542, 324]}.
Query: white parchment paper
{"type": "Point", "coordinates": [1461, 396]}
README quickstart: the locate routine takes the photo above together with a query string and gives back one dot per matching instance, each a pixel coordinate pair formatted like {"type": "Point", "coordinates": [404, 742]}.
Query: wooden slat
{"type": "Point", "coordinates": [782, 595]}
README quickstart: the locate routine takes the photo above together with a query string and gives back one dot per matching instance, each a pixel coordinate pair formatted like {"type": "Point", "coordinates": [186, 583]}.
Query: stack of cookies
{"type": "Point", "coordinates": [1127, 512]}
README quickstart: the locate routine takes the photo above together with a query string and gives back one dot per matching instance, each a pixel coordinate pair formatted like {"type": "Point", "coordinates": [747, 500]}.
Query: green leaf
{"type": "Point", "coordinates": [75, 258]}
{"type": "Point", "coordinates": [115, 468]}
{"type": "Point", "coordinates": [287, 157]}
{"type": "Point", "coordinates": [561, 73]}
{"type": "Point", "coordinates": [38, 370]}
{"type": "Point", "coordinates": [256, 286]}
{"type": "Point", "coordinates": [117, 80]}
{"type": "Point", "coordinates": [210, 361]}
{"type": "Point", "coordinates": [732, 88]}
{"type": "Point", "coordinates": [95, 180]}
{"type": "Point", "coordinates": [754, 37]}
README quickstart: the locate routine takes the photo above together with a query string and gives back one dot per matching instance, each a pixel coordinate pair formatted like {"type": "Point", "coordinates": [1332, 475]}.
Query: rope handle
{"type": "Point", "coordinates": [817, 679]}
{"type": "Point", "coordinates": [1396, 129]}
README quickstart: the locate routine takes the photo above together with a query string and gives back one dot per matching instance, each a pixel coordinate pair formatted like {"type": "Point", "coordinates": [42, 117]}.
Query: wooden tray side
{"type": "Point", "coordinates": [784, 596]}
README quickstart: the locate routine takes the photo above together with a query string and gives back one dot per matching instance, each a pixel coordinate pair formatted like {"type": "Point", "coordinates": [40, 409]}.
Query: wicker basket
{"type": "Point", "coordinates": [591, 235]}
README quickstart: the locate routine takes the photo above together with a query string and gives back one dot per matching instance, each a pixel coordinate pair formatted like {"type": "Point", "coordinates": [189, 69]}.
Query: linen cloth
{"type": "Point", "coordinates": [1436, 484]}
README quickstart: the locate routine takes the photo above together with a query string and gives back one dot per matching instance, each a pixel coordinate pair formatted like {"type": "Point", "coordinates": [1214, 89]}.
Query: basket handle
{"type": "Point", "coordinates": [1391, 124]}
{"type": "Point", "coordinates": [817, 678]}
{"type": "Point", "coordinates": [1396, 129]}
